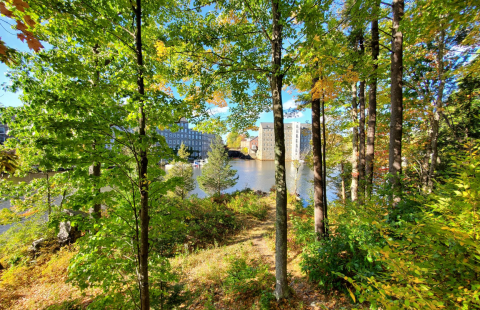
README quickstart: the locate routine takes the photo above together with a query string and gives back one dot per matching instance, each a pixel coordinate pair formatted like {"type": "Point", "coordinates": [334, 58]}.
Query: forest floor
{"type": "Point", "coordinates": [235, 273]}
{"type": "Point", "coordinates": [206, 273]}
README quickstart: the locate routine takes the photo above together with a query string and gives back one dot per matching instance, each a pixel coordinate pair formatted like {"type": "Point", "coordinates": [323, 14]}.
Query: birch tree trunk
{"type": "Point", "coordinates": [354, 160]}
{"type": "Point", "coordinates": [276, 81]}
{"type": "Point", "coordinates": [361, 142]}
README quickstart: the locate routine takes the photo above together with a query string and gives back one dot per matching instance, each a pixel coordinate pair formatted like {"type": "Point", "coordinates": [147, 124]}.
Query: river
{"type": "Point", "coordinates": [254, 174]}
{"type": "Point", "coordinates": [260, 175]}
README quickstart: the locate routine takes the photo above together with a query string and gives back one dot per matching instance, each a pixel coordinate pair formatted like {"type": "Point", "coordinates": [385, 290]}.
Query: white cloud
{"type": "Point", "coordinates": [290, 104]}
{"type": "Point", "coordinates": [218, 110]}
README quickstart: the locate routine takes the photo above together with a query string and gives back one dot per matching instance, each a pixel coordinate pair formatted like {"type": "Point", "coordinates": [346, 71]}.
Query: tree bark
{"type": "Point", "coordinates": [361, 142]}
{"type": "Point", "coordinates": [396, 101]}
{"type": "Point", "coordinates": [319, 215]}
{"type": "Point", "coordinates": [276, 81]}
{"type": "Point", "coordinates": [49, 196]}
{"type": "Point", "coordinates": [324, 160]}
{"type": "Point", "coordinates": [344, 197]}
{"type": "Point", "coordinates": [354, 160]}
{"type": "Point", "coordinates": [142, 167]}
{"type": "Point", "coordinates": [438, 110]}
{"type": "Point", "coordinates": [372, 108]}
{"type": "Point", "coordinates": [95, 169]}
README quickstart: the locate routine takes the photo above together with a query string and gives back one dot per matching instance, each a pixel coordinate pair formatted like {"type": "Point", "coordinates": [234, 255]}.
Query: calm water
{"type": "Point", "coordinates": [254, 174]}
{"type": "Point", "coordinates": [260, 175]}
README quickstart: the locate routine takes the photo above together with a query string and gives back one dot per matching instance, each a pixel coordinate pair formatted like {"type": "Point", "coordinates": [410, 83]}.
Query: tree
{"type": "Point", "coordinates": [217, 174]}
{"type": "Point", "coordinates": [372, 103]}
{"type": "Point", "coordinates": [96, 108]}
{"type": "Point", "coordinates": [396, 97]}
{"type": "Point", "coordinates": [183, 170]}
{"type": "Point", "coordinates": [18, 10]}
{"type": "Point", "coordinates": [296, 165]}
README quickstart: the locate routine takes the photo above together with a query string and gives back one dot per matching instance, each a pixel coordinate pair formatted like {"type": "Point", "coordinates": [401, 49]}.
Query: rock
{"type": "Point", "coordinates": [36, 245]}
{"type": "Point", "coordinates": [68, 234]}
{"type": "Point", "coordinates": [75, 212]}
{"type": "Point", "coordinates": [261, 193]}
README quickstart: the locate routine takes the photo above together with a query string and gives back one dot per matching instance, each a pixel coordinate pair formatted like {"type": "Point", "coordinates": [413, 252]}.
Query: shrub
{"type": "Point", "coordinates": [208, 221]}
{"type": "Point", "coordinates": [249, 203]}
{"type": "Point", "coordinates": [15, 241]}
{"type": "Point", "coordinates": [247, 278]}
{"type": "Point", "coordinates": [345, 252]}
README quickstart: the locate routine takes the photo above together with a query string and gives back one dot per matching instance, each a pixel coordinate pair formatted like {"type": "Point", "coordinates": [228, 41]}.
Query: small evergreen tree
{"type": "Point", "coordinates": [217, 174]}
{"type": "Point", "coordinates": [183, 170]}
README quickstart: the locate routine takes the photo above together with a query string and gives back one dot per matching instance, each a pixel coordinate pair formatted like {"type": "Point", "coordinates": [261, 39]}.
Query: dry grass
{"type": "Point", "coordinates": [42, 285]}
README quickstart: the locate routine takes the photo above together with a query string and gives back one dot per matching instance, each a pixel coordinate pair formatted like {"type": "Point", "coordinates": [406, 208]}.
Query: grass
{"type": "Point", "coordinates": [42, 285]}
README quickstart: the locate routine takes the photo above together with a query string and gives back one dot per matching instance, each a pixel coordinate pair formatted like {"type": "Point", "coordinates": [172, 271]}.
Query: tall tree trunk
{"type": "Point", "coordinates": [354, 160]}
{"type": "Point", "coordinates": [142, 166]}
{"type": "Point", "coordinates": [324, 160]}
{"type": "Point", "coordinates": [49, 196]}
{"type": "Point", "coordinates": [438, 110]}
{"type": "Point", "coordinates": [95, 169]}
{"type": "Point", "coordinates": [361, 142]}
{"type": "Point", "coordinates": [344, 197]}
{"type": "Point", "coordinates": [372, 107]}
{"type": "Point", "coordinates": [318, 193]}
{"type": "Point", "coordinates": [276, 81]}
{"type": "Point", "coordinates": [396, 100]}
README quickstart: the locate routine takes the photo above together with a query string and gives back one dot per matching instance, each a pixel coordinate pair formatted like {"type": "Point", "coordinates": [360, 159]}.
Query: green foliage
{"type": "Point", "coordinates": [345, 251]}
{"type": "Point", "coordinates": [184, 172]}
{"type": "Point", "coordinates": [422, 254]}
{"type": "Point", "coordinates": [8, 161]}
{"type": "Point", "coordinates": [249, 203]}
{"type": "Point", "coordinates": [15, 241]}
{"type": "Point", "coordinates": [208, 221]}
{"type": "Point", "coordinates": [217, 174]}
{"type": "Point", "coordinates": [248, 278]}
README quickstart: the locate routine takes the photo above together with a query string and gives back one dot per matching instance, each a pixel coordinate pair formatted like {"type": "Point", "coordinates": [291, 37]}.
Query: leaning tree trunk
{"type": "Point", "coordinates": [318, 193]}
{"type": "Point", "coordinates": [354, 160]}
{"type": "Point", "coordinates": [142, 167]}
{"type": "Point", "coordinates": [438, 111]}
{"type": "Point", "coordinates": [372, 108]}
{"type": "Point", "coordinates": [361, 142]}
{"type": "Point", "coordinates": [396, 101]}
{"type": "Point", "coordinates": [276, 81]}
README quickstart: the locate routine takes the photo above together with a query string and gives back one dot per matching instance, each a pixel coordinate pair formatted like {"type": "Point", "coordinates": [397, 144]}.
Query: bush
{"type": "Point", "coordinates": [345, 252]}
{"type": "Point", "coordinates": [208, 221]}
{"type": "Point", "coordinates": [16, 240]}
{"type": "Point", "coordinates": [422, 254]}
{"type": "Point", "coordinates": [248, 278]}
{"type": "Point", "coordinates": [249, 203]}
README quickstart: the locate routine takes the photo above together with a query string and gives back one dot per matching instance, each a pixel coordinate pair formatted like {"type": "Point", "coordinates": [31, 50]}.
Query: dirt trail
{"type": "Point", "coordinates": [304, 291]}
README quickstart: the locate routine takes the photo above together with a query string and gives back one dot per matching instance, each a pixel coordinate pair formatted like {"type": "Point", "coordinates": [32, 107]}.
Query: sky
{"type": "Point", "coordinates": [8, 99]}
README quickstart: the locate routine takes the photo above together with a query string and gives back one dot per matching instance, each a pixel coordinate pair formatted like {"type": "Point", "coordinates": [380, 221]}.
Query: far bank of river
{"type": "Point", "coordinates": [260, 175]}
{"type": "Point", "coordinates": [254, 174]}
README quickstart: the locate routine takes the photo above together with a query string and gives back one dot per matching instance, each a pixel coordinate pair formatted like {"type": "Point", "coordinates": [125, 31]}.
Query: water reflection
{"type": "Point", "coordinates": [260, 175]}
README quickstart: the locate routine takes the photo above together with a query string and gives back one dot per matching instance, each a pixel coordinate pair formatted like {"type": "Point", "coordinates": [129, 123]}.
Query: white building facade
{"type": "Point", "coordinates": [297, 141]}
{"type": "Point", "coordinates": [197, 142]}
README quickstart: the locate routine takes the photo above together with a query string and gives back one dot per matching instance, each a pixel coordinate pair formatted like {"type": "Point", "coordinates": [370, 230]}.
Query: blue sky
{"type": "Point", "coordinates": [8, 99]}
